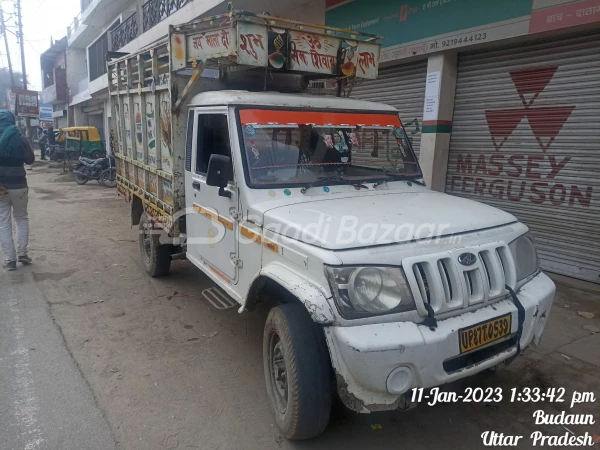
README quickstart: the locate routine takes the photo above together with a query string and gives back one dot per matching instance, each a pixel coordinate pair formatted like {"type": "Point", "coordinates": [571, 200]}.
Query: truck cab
{"type": "Point", "coordinates": [317, 204]}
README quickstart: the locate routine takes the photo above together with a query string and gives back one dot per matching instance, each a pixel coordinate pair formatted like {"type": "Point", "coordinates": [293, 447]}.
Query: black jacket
{"type": "Point", "coordinates": [12, 170]}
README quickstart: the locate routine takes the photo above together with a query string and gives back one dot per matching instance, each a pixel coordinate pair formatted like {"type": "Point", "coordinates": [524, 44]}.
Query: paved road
{"type": "Point", "coordinates": [45, 402]}
{"type": "Point", "coordinates": [169, 371]}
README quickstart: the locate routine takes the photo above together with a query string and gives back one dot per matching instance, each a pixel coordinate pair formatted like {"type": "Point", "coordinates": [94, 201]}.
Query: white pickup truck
{"type": "Point", "coordinates": [316, 203]}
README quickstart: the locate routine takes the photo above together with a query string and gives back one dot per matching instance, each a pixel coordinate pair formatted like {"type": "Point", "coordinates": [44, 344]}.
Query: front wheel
{"type": "Point", "coordinates": [81, 179]}
{"type": "Point", "coordinates": [297, 372]}
{"type": "Point", "coordinates": [108, 177]}
{"type": "Point", "coordinates": [155, 256]}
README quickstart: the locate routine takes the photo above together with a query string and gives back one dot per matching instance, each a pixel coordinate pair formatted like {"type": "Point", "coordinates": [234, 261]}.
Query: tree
{"type": "Point", "coordinates": [5, 85]}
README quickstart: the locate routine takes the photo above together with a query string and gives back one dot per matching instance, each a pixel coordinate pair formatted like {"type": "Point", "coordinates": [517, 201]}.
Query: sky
{"type": "Point", "coordinates": [42, 20]}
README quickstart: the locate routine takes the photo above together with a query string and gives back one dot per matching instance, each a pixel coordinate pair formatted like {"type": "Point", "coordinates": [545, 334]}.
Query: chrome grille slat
{"type": "Point", "coordinates": [417, 269]}
{"type": "Point", "coordinates": [446, 283]}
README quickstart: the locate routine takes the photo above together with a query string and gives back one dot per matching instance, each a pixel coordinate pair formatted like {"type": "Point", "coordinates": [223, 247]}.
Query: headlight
{"type": "Point", "coordinates": [525, 256]}
{"type": "Point", "coordinates": [369, 291]}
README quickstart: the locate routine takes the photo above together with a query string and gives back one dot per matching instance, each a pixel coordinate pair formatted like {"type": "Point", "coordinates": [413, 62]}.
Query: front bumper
{"type": "Point", "coordinates": [364, 356]}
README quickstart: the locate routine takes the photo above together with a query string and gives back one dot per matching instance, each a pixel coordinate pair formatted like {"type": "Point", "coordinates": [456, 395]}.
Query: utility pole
{"type": "Point", "coordinates": [28, 132]}
{"type": "Point", "coordinates": [3, 29]}
{"type": "Point", "coordinates": [22, 43]}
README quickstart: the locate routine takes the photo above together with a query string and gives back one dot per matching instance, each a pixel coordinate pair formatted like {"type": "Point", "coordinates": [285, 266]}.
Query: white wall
{"type": "Point", "coordinates": [99, 84]}
{"type": "Point", "coordinates": [76, 65]}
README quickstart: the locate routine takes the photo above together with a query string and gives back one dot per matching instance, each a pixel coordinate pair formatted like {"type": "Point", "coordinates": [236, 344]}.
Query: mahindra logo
{"type": "Point", "coordinates": [467, 259]}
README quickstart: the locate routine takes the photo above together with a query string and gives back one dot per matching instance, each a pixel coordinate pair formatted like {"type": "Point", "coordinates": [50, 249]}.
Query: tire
{"type": "Point", "coordinates": [155, 257]}
{"type": "Point", "coordinates": [300, 393]}
{"type": "Point", "coordinates": [108, 178]}
{"type": "Point", "coordinates": [81, 179]}
{"type": "Point", "coordinates": [97, 154]}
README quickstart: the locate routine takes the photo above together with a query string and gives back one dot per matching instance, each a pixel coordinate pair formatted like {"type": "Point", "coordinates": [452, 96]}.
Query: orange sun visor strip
{"type": "Point", "coordinates": [264, 117]}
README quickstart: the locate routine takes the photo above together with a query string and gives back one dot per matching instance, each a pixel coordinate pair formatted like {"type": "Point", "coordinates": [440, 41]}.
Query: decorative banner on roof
{"type": "Point", "coordinates": [361, 59]}
{"type": "Point", "coordinates": [278, 47]}
{"type": "Point", "coordinates": [253, 44]}
{"type": "Point", "coordinates": [313, 52]}
{"type": "Point", "coordinates": [202, 46]}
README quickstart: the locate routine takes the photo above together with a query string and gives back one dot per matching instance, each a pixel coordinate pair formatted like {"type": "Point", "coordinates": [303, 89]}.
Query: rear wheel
{"type": "Point", "coordinates": [297, 372]}
{"type": "Point", "coordinates": [155, 256]}
{"type": "Point", "coordinates": [108, 178]}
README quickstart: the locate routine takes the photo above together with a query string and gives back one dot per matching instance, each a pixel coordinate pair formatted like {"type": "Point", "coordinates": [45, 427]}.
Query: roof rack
{"type": "Point", "coordinates": [243, 40]}
{"type": "Point", "coordinates": [236, 14]}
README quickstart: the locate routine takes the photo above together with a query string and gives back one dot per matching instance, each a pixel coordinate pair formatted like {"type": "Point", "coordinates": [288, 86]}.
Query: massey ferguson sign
{"type": "Point", "coordinates": [529, 177]}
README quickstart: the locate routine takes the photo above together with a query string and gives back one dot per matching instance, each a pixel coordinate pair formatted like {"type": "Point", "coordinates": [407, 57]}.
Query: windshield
{"type": "Point", "coordinates": [285, 147]}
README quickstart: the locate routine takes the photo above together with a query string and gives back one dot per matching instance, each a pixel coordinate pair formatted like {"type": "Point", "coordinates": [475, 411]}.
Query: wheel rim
{"type": "Point", "coordinates": [278, 372]}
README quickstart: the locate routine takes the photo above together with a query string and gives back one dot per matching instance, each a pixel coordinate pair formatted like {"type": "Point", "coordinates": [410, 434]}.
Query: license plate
{"type": "Point", "coordinates": [483, 333]}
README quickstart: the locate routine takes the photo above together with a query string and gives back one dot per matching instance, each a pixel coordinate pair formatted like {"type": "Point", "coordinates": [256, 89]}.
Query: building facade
{"type": "Point", "coordinates": [125, 26]}
{"type": "Point", "coordinates": [503, 101]}
{"type": "Point", "coordinates": [53, 65]}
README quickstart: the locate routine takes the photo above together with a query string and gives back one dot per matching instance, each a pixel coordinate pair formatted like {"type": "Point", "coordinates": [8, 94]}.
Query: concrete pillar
{"type": "Point", "coordinates": [437, 118]}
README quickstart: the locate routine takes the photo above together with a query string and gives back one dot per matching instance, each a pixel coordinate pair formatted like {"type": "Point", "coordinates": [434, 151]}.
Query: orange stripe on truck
{"type": "Point", "coordinates": [264, 116]}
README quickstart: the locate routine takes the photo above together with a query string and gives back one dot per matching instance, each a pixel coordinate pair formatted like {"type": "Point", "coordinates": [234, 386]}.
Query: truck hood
{"type": "Point", "coordinates": [361, 221]}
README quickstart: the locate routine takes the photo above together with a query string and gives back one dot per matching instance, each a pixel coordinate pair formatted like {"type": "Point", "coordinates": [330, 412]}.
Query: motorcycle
{"type": "Point", "coordinates": [102, 170]}
{"type": "Point", "coordinates": [54, 153]}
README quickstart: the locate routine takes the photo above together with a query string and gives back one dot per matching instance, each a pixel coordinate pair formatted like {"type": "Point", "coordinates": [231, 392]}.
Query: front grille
{"type": "Point", "coordinates": [441, 281]}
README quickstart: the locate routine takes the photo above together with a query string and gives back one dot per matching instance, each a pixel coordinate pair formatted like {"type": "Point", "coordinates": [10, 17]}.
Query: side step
{"type": "Point", "coordinates": [219, 299]}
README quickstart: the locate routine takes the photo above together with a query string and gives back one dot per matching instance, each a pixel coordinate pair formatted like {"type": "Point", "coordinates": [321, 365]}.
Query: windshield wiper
{"type": "Point", "coordinates": [420, 183]}
{"type": "Point", "coordinates": [412, 179]}
{"type": "Point", "coordinates": [338, 178]}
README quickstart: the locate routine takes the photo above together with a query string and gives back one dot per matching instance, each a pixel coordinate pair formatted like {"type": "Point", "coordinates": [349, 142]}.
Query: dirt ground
{"type": "Point", "coordinates": [170, 371]}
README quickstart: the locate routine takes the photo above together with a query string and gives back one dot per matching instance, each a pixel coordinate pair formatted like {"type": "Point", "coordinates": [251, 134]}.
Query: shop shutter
{"type": "Point", "coordinates": [526, 139]}
{"type": "Point", "coordinates": [402, 87]}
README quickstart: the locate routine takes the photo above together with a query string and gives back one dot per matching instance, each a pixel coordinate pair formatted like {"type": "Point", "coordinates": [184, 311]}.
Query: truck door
{"type": "Point", "coordinates": [211, 230]}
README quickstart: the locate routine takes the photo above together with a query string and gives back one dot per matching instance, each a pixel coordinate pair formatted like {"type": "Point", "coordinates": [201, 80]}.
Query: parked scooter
{"type": "Point", "coordinates": [102, 170]}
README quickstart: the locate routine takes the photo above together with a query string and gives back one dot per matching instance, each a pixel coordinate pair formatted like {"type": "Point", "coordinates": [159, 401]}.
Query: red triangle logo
{"type": "Point", "coordinates": [532, 82]}
{"type": "Point", "coordinates": [502, 122]}
{"type": "Point", "coordinates": [546, 122]}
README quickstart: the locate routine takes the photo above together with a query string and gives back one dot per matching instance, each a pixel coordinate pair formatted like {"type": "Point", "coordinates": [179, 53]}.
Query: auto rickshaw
{"type": "Point", "coordinates": [80, 141]}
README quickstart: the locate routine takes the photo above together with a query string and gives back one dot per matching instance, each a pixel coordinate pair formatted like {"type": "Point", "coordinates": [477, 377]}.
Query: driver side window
{"type": "Point", "coordinates": [213, 138]}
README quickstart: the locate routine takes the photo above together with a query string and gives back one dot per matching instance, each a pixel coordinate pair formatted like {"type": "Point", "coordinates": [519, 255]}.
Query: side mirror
{"type": "Point", "coordinates": [218, 173]}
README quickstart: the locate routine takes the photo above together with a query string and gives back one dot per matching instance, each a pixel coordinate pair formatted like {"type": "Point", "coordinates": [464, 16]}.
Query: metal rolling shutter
{"type": "Point", "coordinates": [402, 87]}
{"type": "Point", "coordinates": [526, 139]}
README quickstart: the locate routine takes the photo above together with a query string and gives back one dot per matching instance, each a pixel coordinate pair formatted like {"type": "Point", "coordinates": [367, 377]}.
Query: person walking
{"type": "Point", "coordinates": [42, 141]}
{"type": "Point", "coordinates": [15, 151]}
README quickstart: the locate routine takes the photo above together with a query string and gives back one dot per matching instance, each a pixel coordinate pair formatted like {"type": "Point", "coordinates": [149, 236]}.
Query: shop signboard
{"type": "Point", "coordinates": [26, 103]}
{"type": "Point", "coordinates": [417, 27]}
{"type": "Point", "coordinates": [46, 111]}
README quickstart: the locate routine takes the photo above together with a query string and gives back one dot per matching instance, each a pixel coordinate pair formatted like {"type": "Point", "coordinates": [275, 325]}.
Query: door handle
{"type": "Point", "coordinates": [196, 185]}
